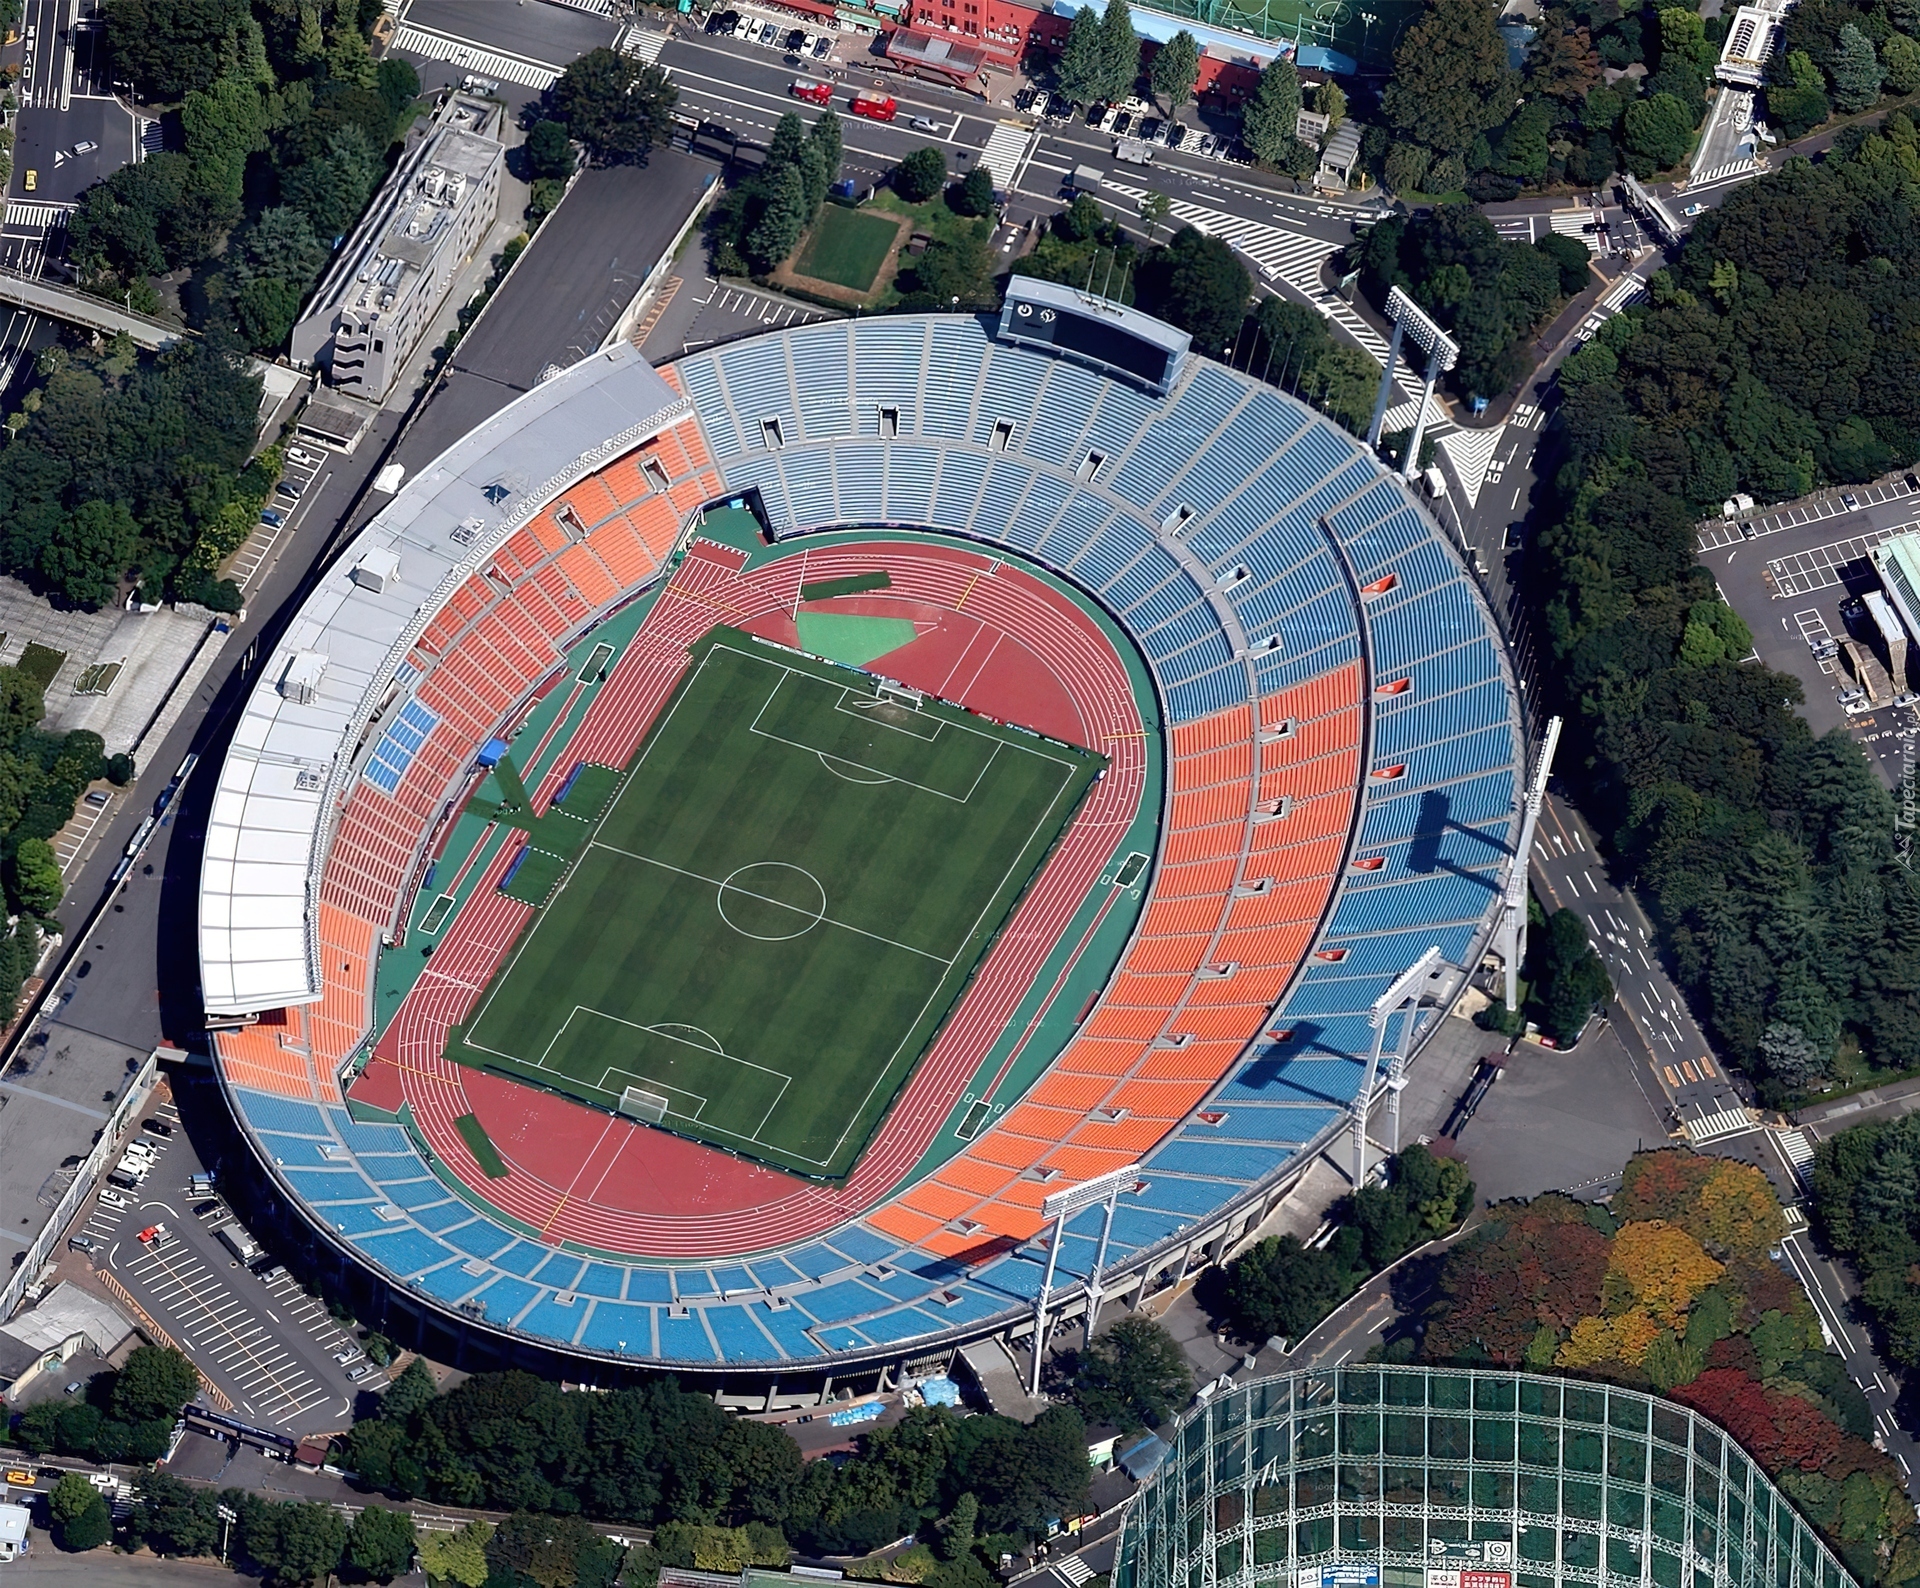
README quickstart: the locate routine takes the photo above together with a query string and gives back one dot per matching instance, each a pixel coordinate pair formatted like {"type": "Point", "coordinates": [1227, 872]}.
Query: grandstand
{"type": "Point", "coordinates": [1294, 680]}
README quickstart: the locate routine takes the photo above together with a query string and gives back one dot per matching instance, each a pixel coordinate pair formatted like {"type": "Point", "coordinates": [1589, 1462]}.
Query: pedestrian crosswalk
{"type": "Point", "coordinates": [1006, 147]}
{"type": "Point", "coordinates": [600, 8]}
{"type": "Point", "coordinates": [475, 58]}
{"type": "Point", "coordinates": [1799, 1151]}
{"type": "Point", "coordinates": [1073, 1570]}
{"type": "Point", "coordinates": [40, 217]}
{"type": "Point", "coordinates": [1720, 1122]}
{"type": "Point", "coordinates": [1574, 223]}
{"type": "Point", "coordinates": [1298, 261]}
{"type": "Point", "coordinates": [1721, 173]}
{"type": "Point", "coordinates": [643, 44]}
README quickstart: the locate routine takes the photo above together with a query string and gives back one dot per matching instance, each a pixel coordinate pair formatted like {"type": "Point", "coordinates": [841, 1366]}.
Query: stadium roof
{"type": "Point", "coordinates": [323, 690]}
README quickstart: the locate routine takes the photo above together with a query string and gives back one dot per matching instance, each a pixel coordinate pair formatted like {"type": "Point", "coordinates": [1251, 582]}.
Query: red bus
{"type": "Point", "coordinates": [875, 107]}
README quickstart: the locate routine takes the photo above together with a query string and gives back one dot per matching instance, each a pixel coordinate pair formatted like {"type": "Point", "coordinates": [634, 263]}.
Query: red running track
{"type": "Point", "coordinates": [993, 638]}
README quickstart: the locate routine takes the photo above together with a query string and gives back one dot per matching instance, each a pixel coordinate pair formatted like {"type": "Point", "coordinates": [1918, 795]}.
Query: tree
{"type": "Point", "coordinates": [825, 140]}
{"type": "Point", "coordinates": [958, 1528]}
{"type": "Point", "coordinates": [615, 105]}
{"type": "Point", "coordinates": [1564, 64]}
{"type": "Point", "coordinates": [81, 1520]}
{"type": "Point", "coordinates": [1134, 1375]}
{"type": "Point", "coordinates": [974, 194]}
{"type": "Point", "coordinates": [920, 175]}
{"type": "Point", "coordinates": [459, 1557]}
{"type": "Point", "coordinates": [1658, 132]}
{"type": "Point", "coordinates": [291, 1543]}
{"type": "Point", "coordinates": [1270, 123]}
{"type": "Point", "coordinates": [1856, 72]}
{"type": "Point", "coordinates": [1119, 49]}
{"type": "Point", "coordinates": [37, 884]}
{"type": "Point", "coordinates": [1570, 258]}
{"type": "Point", "coordinates": [549, 151]}
{"type": "Point", "coordinates": [545, 1549]}
{"type": "Point", "coordinates": [1175, 69]}
{"type": "Point", "coordinates": [1153, 210]}
{"type": "Point", "coordinates": [331, 184]}
{"type": "Point", "coordinates": [1203, 288]}
{"type": "Point", "coordinates": [1657, 1268]}
{"type": "Point", "coordinates": [1081, 72]}
{"type": "Point", "coordinates": [1330, 100]}
{"type": "Point", "coordinates": [166, 48]}
{"type": "Point", "coordinates": [1797, 102]}
{"type": "Point", "coordinates": [1280, 1287]}
{"type": "Point", "coordinates": [380, 1543]}
{"type": "Point", "coordinates": [156, 1381]}
{"type": "Point", "coordinates": [1451, 80]}
{"type": "Point", "coordinates": [782, 221]}
{"type": "Point", "coordinates": [1571, 982]}
{"type": "Point", "coordinates": [174, 1518]}
{"type": "Point", "coordinates": [1406, 168]}
{"type": "Point", "coordinates": [1900, 56]}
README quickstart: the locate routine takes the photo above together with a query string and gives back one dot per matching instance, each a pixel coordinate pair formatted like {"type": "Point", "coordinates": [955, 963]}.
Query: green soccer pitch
{"type": "Point", "coordinates": [795, 881]}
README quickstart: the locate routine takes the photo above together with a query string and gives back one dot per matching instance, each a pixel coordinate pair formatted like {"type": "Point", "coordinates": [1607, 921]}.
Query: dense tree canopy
{"type": "Point", "coordinates": [1133, 1376]}
{"type": "Point", "coordinates": [1451, 81]}
{"type": "Point", "coordinates": [616, 105]}
{"type": "Point", "coordinates": [514, 1442]}
{"type": "Point", "coordinates": [1866, 1185]}
{"type": "Point", "coordinates": [1281, 1287]}
{"type": "Point", "coordinates": [1782, 350]}
{"type": "Point", "coordinates": [1490, 292]}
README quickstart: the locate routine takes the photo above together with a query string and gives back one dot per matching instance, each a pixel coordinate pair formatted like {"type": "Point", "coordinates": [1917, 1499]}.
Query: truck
{"type": "Point", "coordinates": [1131, 151]}
{"type": "Point", "coordinates": [875, 107]}
{"type": "Point", "coordinates": [812, 93]}
{"type": "Point", "coordinates": [1088, 179]}
{"type": "Point", "coordinates": [236, 1240]}
{"type": "Point", "coordinates": [1435, 482]}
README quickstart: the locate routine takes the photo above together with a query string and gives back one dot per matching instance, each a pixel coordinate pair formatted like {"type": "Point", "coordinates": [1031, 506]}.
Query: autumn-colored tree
{"type": "Point", "coordinates": [1737, 1210]}
{"type": "Point", "coordinates": [1531, 1266]}
{"type": "Point", "coordinates": [1778, 1430]}
{"type": "Point", "coordinates": [1657, 1268]}
{"type": "Point", "coordinates": [1662, 1184]}
{"type": "Point", "coordinates": [1624, 1338]}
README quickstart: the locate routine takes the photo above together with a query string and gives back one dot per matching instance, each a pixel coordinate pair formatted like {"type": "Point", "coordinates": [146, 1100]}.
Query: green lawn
{"type": "Point", "coordinates": [846, 247]}
{"type": "Point", "coordinates": [794, 882]}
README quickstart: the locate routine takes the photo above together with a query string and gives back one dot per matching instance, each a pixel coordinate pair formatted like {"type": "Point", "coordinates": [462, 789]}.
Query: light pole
{"type": "Point", "coordinates": [1367, 20]}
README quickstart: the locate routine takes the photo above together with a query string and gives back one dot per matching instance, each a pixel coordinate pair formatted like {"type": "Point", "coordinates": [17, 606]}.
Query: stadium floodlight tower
{"type": "Point", "coordinates": [1442, 354]}
{"type": "Point", "coordinates": [1401, 998]}
{"type": "Point", "coordinates": [1513, 908]}
{"type": "Point", "coordinates": [1057, 1209]}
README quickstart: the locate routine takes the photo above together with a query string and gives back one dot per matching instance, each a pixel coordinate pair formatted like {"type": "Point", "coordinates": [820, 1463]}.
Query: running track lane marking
{"type": "Point", "coordinates": [1053, 992]}
{"type": "Point", "coordinates": [705, 601]}
{"type": "Point", "coordinates": [978, 575]}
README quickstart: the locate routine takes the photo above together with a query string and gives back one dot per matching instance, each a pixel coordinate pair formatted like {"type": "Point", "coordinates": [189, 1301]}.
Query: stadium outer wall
{"type": "Point", "coordinates": [403, 1307]}
{"type": "Point", "coordinates": [1410, 1477]}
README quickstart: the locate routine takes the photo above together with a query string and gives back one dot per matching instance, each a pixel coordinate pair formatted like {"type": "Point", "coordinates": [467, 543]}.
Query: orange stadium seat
{"type": "Point", "coordinates": [1203, 878]}
{"type": "Point", "coordinates": [903, 1224]}
{"type": "Point", "coordinates": [1230, 763]}
{"type": "Point", "coordinates": [1058, 1089]}
{"type": "Point", "coordinates": [588, 575]}
{"type": "Point", "coordinates": [591, 499]}
{"type": "Point", "coordinates": [1204, 843]}
{"type": "Point", "coordinates": [624, 479]}
{"type": "Point", "coordinates": [1184, 952]}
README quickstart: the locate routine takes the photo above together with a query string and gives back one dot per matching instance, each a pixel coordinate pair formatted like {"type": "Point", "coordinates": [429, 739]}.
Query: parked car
{"type": "Point", "coordinates": [364, 1370]}
{"type": "Point", "coordinates": [796, 37]}
{"type": "Point", "coordinates": [1122, 123]}
{"type": "Point", "coordinates": [273, 516]}
{"type": "Point", "coordinates": [154, 1235]}
{"type": "Point", "coordinates": [350, 1354]}
{"type": "Point", "coordinates": [1176, 134]}
{"type": "Point", "coordinates": [723, 22]}
{"type": "Point", "coordinates": [823, 46]}
{"type": "Point", "coordinates": [769, 34]}
{"type": "Point", "coordinates": [83, 1243]}
{"type": "Point", "coordinates": [1849, 499]}
{"type": "Point", "coordinates": [290, 489]}
{"type": "Point", "coordinates": [159, 1127]}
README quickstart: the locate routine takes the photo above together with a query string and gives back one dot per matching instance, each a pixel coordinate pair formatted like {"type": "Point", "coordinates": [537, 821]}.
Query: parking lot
{"type": "Point", "coordinates": [271, 1348]}
{"type": "Point", "coordinates": [1795, 574]}
{"type": "Point", "coordinates": [305, 475]}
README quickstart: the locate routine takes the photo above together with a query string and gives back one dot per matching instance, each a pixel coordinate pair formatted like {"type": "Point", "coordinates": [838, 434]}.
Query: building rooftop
{"type": "Point", "coordinates": [341, 666]}
{"type": "Point", "coordinates": [68, 1310]}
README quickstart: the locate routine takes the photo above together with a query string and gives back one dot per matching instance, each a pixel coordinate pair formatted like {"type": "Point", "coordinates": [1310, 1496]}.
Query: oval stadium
{"type": "Point", "coordinates": [1408, 1477]}
{"type": "Point", "coordinates": [856, 842]}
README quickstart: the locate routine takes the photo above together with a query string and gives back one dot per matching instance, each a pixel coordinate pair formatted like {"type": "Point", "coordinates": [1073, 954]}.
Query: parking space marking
{"type": "Point", "coordinates": [220, 1325]}
{"type": "Point", "coordinates": [1726, 532]}
{"type": "Point", "coordinates": [1822, 567]}
{"type": "Point", "coordinates": [1813, 629]}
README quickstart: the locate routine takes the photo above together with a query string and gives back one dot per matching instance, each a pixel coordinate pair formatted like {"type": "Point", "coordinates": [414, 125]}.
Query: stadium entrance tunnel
{"type": "Point", "coordinates": [1410, 1477]}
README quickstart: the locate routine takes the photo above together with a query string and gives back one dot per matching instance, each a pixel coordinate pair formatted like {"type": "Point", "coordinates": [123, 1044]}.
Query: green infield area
{"type": "Point", "coordinates": [796, 878]}
{"type": "Point", "coordinates": [847, 247]}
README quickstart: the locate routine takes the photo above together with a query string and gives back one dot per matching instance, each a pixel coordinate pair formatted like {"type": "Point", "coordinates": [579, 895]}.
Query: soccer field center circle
{"type": "Point", "coordinates": [1322, 714]}
{"type": "Point", "coordinates": [760, 885]}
